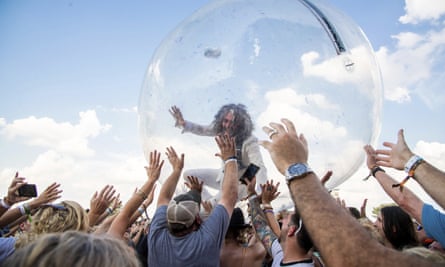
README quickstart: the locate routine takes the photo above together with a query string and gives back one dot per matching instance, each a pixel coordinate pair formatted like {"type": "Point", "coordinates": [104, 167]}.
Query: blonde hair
{"type": "Point", "coordinates": [68, 215]}
{"type": "Point", "coordinates": [74, 249]}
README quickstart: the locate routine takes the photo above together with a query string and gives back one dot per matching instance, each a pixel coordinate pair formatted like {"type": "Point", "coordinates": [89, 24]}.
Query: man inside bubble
{"type": "Point", "coordinates": [234, 120]}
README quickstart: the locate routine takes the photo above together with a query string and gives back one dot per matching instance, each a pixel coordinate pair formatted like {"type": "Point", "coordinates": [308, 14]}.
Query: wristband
{"type": "Point", "coordinates": [376, 169]}
{"type": "Point", "coordinates": [268, 210]}
{"type": "Point", "coordinates": [4, 204]}
{"type": "Point", "coordinates": [230, 159]}
{"type": "Point", "coordinates": [414, 160]}
{"type": "Point", "coordinates": [411, 165]}
{"type": "Point", "coordinates": [266, 206]}
{"type": "Point", "coordinates": [142, 194]}
{"type": "Point", "coordinates": [22, 209]}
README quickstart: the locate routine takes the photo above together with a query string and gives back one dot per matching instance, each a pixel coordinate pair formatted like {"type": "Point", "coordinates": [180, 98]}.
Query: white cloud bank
{"type": "Point", "coordinates": [62, 137]}
{"type": "Point", "coordinates": [416, 64]}
{"type": "Point", "coordinates": [422, 10]}
{"type": "Point", "coordinates": [66, 156]}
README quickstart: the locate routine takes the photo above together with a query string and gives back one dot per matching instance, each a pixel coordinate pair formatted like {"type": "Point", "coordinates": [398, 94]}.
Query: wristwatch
{"type": "Point", "coordinates": [296, 171]}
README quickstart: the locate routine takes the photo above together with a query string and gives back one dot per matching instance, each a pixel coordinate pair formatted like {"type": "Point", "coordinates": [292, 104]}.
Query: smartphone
{"type": "Point", "coordinates": [250, 172]}
{"type": "Point", "coordinates": [28, 190]}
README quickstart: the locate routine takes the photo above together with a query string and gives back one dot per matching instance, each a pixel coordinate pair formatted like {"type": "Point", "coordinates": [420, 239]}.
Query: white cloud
{"type": "Point", "coordinates": [415, 66]}
{"type": "Point", "coordinates": [421, 10]}
{"type": "Point", "coordinates": [62, 137]}
{"type": "Point", "coordinates": [80, 178]}
{"type": "Point", "coordinates": [433, 152]}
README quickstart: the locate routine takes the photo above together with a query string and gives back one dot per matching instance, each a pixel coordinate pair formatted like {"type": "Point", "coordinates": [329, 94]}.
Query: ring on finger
{"type": "Point", "coordinates": [271, 133]}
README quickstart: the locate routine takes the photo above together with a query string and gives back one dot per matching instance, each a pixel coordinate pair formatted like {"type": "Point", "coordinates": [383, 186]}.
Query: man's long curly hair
{"type": "Point", "coordinates": [242, 123]}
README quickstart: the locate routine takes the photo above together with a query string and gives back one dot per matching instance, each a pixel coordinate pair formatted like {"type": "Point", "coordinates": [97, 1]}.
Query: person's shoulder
{"type": "Point", "coordinates": [250, 140]}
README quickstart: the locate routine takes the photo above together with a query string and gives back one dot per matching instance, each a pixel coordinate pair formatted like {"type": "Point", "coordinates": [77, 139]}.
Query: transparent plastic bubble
{"type": "Point", "coordinates": [299, 59]}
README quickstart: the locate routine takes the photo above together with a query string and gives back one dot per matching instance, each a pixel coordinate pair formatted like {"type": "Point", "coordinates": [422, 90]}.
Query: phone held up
{"type": "Point", "coordinates": [28, 190]}
{"type": "Point", "coordinates": [250, 172]}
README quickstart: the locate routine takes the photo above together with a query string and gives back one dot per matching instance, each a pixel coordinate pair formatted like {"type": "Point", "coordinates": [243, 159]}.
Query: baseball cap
{"type": "Point", "coordinates": [184, 208]}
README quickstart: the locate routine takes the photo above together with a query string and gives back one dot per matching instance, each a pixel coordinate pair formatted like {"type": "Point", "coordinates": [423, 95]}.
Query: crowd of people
{"type": "Point", "coordinates": [235, 227]}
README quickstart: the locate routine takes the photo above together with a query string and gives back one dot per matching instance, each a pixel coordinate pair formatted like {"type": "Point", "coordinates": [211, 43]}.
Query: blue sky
{"type": "Point", "coordinates": [71, 74]}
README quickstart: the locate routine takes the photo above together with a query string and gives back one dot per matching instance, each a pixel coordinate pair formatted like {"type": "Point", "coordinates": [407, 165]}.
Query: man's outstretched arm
{"type": "Point", "coordinates": [328, 225]}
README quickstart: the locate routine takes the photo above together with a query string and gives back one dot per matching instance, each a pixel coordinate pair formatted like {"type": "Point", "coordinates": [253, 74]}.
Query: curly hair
{"type": "Point", "coordinates": [68, 215]}
{"type": "Point", "coordinates": [242, 123]}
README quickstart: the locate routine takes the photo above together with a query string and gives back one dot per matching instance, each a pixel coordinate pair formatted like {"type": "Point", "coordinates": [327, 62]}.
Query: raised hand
{"type": "Point", "coordinates": [176, 162]}
{"type": "Point", "coordinates": [226, 146]}
{"type": "Point", "coordinates": [50, 194]}
{"type": "Point", "coordinates": [207, 205]}
{"type": "Point", "coordinates": [101, 201]}
{"type": "Point", "coordinates": [194, 183]}
{"type": "Point", "coordinates": [286, 146]}
{"type": "Point", "coordinates": [397, 155]}
{"type": "Point", "coordinates": [269, 192]}
{"type": "Point", "coordinates": [155, 165]}
{"type": "Point", "coordinates": [13, 195]}
{"type": "Point", "coordinates": [177, 115]}
{"type": "Point", "coordinates": [371, 156]}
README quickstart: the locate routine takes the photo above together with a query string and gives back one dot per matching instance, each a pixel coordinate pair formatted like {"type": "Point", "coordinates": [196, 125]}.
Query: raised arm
{"type": "Point", "coordinates": [169, 186]}
{"type": "Point", "coordinates": [99, 202]}
{"type": "Point", "coordinates": [187, 126]}
{"type": "Point", "coordinates": [229, 194]}
{"type": "Point", "coordinates": [122, 221]}
{"type": "Point", "coordinates": [143, 208]}
{"type": "Point", "coordinates": [269, 193]}
{"type": "Point", "coordinates": [50, 194]}
{"type": "Point", "coordinates": [429, 177]}
{"type": "Point", "coordinates": [405, 198]}
{"type": "Point", "coordinates": [326, 223]}
{"type": "Point", "coordinates": [258, 218]}
{"type": "Point", "coordinates": [177, 115]}
{"type": "Point", "coordinates": [12, 197]}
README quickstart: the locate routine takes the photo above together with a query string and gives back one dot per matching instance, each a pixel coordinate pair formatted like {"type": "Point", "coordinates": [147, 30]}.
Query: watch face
{"type": "Point", "coordinates": [297, 169]}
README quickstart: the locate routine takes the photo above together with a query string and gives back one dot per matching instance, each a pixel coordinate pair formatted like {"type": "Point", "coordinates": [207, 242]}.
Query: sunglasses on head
{"type": "Point", "coordinates": [55, 206]}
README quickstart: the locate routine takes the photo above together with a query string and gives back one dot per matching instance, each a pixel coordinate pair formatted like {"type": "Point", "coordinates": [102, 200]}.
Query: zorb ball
{"type": "Point", "coordinates": [298, 59]}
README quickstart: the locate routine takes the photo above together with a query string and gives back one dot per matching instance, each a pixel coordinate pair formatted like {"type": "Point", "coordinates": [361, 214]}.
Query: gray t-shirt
{"type": "Point", "coordinates": [199, 248]}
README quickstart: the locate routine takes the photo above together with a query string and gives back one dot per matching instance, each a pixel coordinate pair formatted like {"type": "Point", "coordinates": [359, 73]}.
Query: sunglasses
{"type": "Point", "coordinates": [55, 206]}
